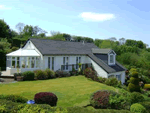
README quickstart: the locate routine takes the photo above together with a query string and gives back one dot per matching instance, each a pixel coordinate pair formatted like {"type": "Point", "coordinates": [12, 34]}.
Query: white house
{"type": "Point", "coordinates": [64, 55]}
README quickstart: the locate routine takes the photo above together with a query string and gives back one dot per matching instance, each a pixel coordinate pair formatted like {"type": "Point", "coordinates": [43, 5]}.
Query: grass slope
{"type": "Point", "coordinates": [71, 91]}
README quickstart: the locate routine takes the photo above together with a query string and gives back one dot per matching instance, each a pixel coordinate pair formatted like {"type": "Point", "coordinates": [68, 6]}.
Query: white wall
{"type": "Point", "coordinates": [58, 60]}
{"type": "Point", "coordinates": [122, 75]}
{"type": "Point", "coordinates": [98, 69]}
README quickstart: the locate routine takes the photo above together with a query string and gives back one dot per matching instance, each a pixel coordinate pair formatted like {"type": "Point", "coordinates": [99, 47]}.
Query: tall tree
{"type": "Point", "coordinates": [54, 33]}
{"type": "Point", "coordinates": [28, 30]}
{"type": "Point", "coordinates": [113, 39]}
{"type": "Point", "coordinates": [5, 31]}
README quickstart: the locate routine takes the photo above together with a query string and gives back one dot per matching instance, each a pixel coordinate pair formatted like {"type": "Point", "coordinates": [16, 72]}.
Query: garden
{"type": "Point", "coordinates": [81, 91]}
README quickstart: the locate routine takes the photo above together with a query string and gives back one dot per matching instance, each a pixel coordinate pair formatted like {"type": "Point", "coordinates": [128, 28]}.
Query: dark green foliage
{"type": "Point", "coordinates": [14, 98]}
{"type": "Point", "coordinates": [28, 75]}
{"type": "Point", "coordinates": [17, 74]}
{"type": "Point", "coordinates": [136, 97]}
{"type": "Point", "coordinates": [137, 108]}
{"type": "Point", "coordinates": [134, 80]}
{"type": "Point", "coordinates": [46, 98]}
{"type": "Point", "coordinates": [100, 99]}
{"type": "Point", "coordinates": [40, 75]}
{"type": "Point", "coordinates": [50, 73]}
{"type": "Point", "coordinates": [132, 88]}
{"type": "Point", "coordinates": [90, 73]}
{"type": "Point", "coordinates": [146, 104]}
{"type": "Point", "coordinates": [60, 73]}
{"type": "Point", "coordinates": [134, 74]}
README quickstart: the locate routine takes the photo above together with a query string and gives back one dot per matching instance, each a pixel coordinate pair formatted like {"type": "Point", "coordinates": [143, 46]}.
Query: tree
{"type": "Point", "coordinates": [5, 31]}
{"type": "Point", "coordinates": [20, 27]}
{"type": "Point", "coordinates": [54, 33]}
{"type": "Point", "coordinates": [122, 41]}
{"type": "Point", "coordinates": [66, 36]}
{"type": "Point", "coordinates": [28, 30]}
{"type": "Point", "coordinates": [113, 39]}
{"type": "Point", "coordinates": [14, 33]}
{"type": "Point", "coordinates": [98, 42]}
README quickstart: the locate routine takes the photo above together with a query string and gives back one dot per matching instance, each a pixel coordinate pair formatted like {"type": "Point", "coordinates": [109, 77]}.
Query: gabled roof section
{"type": "Point", "coordinates": [100, 51]}
{"type": "Point", "coordinates": [102, 63]}
{"type": "Point", "coordinates": [47, 47]}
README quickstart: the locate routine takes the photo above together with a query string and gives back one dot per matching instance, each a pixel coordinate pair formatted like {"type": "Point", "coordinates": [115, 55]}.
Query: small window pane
{"type": "Point", "coordinates": [32, 62]}
{"type": "Point", "coordinates": [18, 58]}
{"type": "Point", "coordinates": [111, 59]}
{"type": "Point", "coordinates": [52, 63]}
{"type": "Point", "coordinates": [118, 77]}
{"type": "Point", "coordinates": [28, 62]}
{"type": "Point", "coordinates": [23, 62]}
{"type": "Point", "coordinates": [13, 64]}
{"type": "Point", "coordinates": [37, 62]}
{"type": "Point", "coordinates": [18, 64]}
{"type": "Point", "coordinates": [49, 59]}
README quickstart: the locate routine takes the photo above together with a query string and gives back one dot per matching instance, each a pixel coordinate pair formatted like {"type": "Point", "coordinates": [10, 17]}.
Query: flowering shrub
{"type": "Point", "coordinates": [89, 73]}
{"type": "Point", "coordinates": [100, 99]}
{"type": "Point", "coordinates": [46, 98]}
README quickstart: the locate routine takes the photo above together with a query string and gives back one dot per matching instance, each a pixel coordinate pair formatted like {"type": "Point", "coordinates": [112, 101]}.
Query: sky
{"type": "Point", "coordinates": [97, 19]}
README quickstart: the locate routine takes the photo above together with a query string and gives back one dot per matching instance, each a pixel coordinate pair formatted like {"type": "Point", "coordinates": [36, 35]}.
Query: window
{"type": "Point", "coordinates": [76, 62]}
{"type": "Point", "coordinates": [118, 77]}
{"type": "Point", "coordinates": [32, 62]}
{"type": "Point", "coordinates": [65, 63]}
{"type": "Point", "coordinates": [49, 61]}
{"type": "Point", "coordinates": [23, 62]}
{"type": "Point", "coordinates": [18, 62]}
{"type": "Point", "coordinates": [52, 63]}
{"type": "Point", "coordinates": [28, 62]}
{"type": "Point", "coordinates": [37, 62]}
{"type": "Point", "coordinates": [8, 61]}
{"type": "Point", "coordinates": [111, 58]}
{"type": "Point", "coordinates": [13, 62]}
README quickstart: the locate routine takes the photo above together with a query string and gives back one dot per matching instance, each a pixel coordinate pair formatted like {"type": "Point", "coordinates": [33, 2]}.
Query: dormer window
{"type": "Point", "coordinates": [111, 58]}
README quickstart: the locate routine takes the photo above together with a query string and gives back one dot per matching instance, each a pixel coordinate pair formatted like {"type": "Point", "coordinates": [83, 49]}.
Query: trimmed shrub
{"type": "Point", "coordinates": [46, 98]}
{"type": "Point", "coordinates": [14, 98]}
{"type": "Point", "coordinates": [134, 83]}
{"type": "Point", "coordinates": [17, 74]}
{"type": "Point", "coordinates": [89, 73]}
{"type": "Point", "coordinates": [100, 99]}
{"type": "Point", "coordinates": [28, 75]}
{"type": "Point", "coordinates": [40, 75]}
{"type": "Point", "coordinates": [102, 80]}
{"type": "Point", "coordinates": [146, 104]}
{"type": "Point", "coordinates": [136, 97]}
{"type": "Point", "coordinates": [137, 108]}
{"type": "Point", "coordinates": [50, 73]}
{"type": "Point", "coordinates": [60, 73]}
{"type": "Point", "coordinates": [132, 88]}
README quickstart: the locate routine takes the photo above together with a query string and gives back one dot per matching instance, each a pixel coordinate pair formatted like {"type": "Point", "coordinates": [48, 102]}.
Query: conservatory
{"type": "Point", "coordinates": [23, 59]}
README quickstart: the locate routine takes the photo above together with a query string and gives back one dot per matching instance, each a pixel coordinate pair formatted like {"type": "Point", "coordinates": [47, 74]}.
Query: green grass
{"type": "Point", "coordinates": [71, 91]}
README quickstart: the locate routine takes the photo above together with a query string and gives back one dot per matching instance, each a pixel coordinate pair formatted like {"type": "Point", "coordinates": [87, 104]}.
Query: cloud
{"type": "Point", "coordinates": [2, 7]}
{"type": "Point", "coordinates": [89, 16]}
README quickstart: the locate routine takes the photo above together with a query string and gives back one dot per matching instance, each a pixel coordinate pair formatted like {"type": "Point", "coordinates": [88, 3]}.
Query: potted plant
{"type": "Point", "coordinates": [23, 65]}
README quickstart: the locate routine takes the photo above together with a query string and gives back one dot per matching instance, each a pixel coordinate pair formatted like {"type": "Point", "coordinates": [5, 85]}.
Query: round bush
{"type": "Point", "coordinates": [133, 87]}
{"type": "Point", "coordinates": [28, 75]}
{"type": "Point", "coordinates": [41, 75]}
{"type": "Point", "coordinates": [136, 97]}
{"type": "Point", "coordinates": [50, 73]}
{"type": "Point", "coordinates": [102, 80]}
{"type": "Point", "coordinates": [46, 98]}
{"type": "Point", "coordinates": [134, 80]}
{"type": "Point", "coordinates": [137, 108]}
{"type": "Point", "coordinates": [100, 99]}
{"type": "Point", "coordinates": [60, 73]}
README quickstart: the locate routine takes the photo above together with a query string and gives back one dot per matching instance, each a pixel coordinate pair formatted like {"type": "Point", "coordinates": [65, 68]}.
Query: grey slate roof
{"type": "Point", "coordinates": [50, 47]}
{"type": "Point", "coordinates": [47, 46]}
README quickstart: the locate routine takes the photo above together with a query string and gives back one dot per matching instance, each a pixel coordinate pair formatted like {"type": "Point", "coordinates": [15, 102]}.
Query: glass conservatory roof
{"type": "Point", "coordinates": [23, 52]}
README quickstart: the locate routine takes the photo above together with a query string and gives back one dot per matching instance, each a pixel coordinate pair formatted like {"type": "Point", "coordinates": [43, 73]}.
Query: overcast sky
{"type": "Point", "coordinates": [99, 19]}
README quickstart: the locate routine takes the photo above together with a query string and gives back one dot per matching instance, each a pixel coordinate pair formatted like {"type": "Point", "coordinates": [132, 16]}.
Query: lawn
{"type": "Point", "coordinates": [71, 91]}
